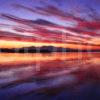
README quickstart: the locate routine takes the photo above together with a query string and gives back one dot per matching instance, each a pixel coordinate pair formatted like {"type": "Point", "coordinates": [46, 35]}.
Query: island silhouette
{"type": "Point", "coordinates": [43, 49]}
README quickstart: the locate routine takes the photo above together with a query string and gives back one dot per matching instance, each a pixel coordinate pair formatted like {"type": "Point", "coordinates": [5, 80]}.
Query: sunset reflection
{"type": "Point", "coordinates": [28, 58]}
{"type": "Point", "coordinates": [56, 70]}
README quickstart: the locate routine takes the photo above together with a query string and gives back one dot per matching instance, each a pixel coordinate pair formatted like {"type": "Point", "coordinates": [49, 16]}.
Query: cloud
{"type": "Point", "coordinates": [84, 32]}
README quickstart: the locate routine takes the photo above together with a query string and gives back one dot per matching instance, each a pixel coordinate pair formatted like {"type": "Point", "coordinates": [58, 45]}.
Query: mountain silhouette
{"type": "Point", "coordinates": [43, 49]}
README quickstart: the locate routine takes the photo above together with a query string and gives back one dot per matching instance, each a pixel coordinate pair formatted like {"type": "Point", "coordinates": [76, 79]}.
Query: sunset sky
{"type": "Point", "coordinates": [59, 23]}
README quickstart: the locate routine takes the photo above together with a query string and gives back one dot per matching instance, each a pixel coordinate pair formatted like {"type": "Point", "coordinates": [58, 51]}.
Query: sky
{"type": "Point", "coordinates": [59, 23]}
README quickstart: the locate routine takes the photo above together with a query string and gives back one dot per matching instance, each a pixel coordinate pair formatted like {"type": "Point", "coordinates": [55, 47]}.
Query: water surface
{"type": "Point", "coordinates": [50, 76]}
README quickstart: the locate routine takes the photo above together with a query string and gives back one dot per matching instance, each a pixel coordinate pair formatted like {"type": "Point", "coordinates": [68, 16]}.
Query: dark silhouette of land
{"type": "Point", "coordinates": [44, 49]}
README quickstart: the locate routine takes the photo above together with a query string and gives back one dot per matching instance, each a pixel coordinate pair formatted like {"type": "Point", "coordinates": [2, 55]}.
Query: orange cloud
{"type": "Point", "coordinates": [19, 44]}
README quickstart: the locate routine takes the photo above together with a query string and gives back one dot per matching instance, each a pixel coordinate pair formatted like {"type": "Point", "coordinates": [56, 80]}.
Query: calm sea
{"type": "Point", "coordinates": [50, 76]}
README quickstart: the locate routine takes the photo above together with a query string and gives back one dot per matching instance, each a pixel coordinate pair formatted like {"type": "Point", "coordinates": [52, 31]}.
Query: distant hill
{"type": "Point", "coordinates": [44, 49]}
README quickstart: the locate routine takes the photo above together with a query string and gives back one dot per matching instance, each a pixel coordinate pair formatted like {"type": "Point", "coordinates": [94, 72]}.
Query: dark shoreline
{"type": "Point", "coordinates": [44, 49]}
{"type": "Point", "coordinates": [50, 52]}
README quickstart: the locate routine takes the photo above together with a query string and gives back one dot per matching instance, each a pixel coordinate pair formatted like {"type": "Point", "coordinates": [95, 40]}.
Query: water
{"type": "Point", "coordinates": [50, 76]}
